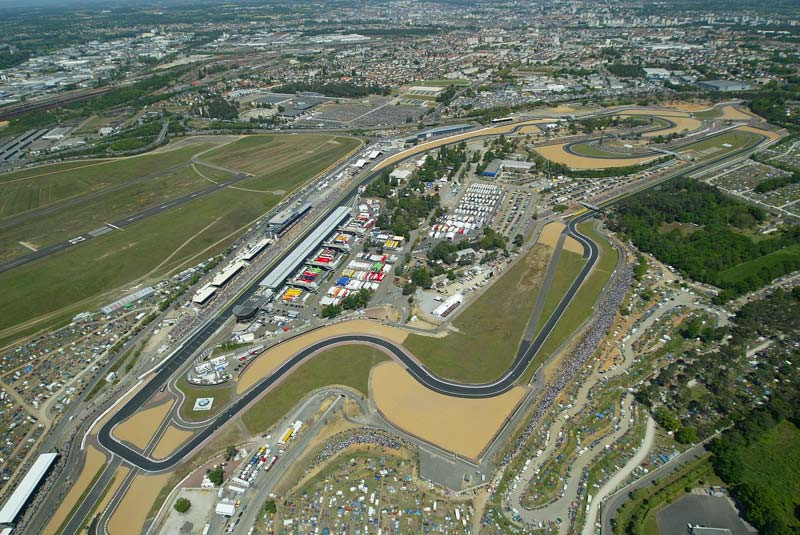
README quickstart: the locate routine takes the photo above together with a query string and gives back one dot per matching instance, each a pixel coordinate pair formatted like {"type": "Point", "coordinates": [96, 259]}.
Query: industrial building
{"type": "Point", "coordinates": [26, 488]}
{"type": "Point", "coordinates": [443, 130]}
{"type": "Point", "coordinates": [495, 167]}
{"type": "Point", "coordinates": [294, 259]}
{"type": "Point", "coordinates": [724, 85]}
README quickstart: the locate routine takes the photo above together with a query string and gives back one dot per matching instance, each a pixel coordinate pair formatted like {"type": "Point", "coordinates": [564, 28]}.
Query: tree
{"type": "Point", "coordinates": [331, 311]}
{"type": "Point", "coordinates": [216, 476]}
{"type": "Point", "coordinates": [270, 507]}
{"type": "Point", "coordinates": [421, 277]}
{"type": "Point", "coordinates": [518, 240]}
{"type": "Point", "coordinates": [230, 453]}
{"type": "Point", "coordinates": [182, 505]}
{"type": "Point", "coordinates": [686, 435]}
{"type": "Point", "coordinates": [666, 419]}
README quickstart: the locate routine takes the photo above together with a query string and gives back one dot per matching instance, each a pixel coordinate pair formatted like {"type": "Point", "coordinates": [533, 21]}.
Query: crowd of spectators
{"type": "Point", "coordinates": [606, 311]}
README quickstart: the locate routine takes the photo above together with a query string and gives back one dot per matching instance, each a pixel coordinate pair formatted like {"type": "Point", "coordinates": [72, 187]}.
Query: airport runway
{"type": "Point", "coordinates": [119, 224]}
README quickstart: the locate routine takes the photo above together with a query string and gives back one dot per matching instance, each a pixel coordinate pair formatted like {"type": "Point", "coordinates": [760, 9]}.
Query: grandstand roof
{"type": "Point", "coordinates": [281, 272]}
{"type": "Point", "coordinates": [23, 492]}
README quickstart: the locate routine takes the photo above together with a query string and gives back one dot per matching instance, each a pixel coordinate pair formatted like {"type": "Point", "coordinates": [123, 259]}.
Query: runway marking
{"type": "Point", "coordinates": [114, 226]}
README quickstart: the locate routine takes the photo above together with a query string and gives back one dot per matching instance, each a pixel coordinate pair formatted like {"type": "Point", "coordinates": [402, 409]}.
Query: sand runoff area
{"type": "Point", "coordinates": [94, 461]}
{"type": "Point", "coordinates": [461, 425]}
{"type": "Point", "coordinates": [140, 428]}
{"type": "Point", "coordinates": [760, 131]}
{"type": "Point", "coordinates": [131, 513]}
{"type": "Point", "coordinates": [550, 233]}
{"type": "Point", "coordinates": [169, 441]}
{"type": "Point", "coordinates": [558, 154]}
{"type": "Point", "coordinates": [273, 357]}
{"type": "Point", "coordinates": [735, 114]}
{"type": "Point", "coordinates": [488, 131]}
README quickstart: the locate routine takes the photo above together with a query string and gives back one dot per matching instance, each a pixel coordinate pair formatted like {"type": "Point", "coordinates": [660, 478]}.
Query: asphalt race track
{"type": "Point", "coordinates": [523, 358]}
{"type": "Point", "coordinates": [198, 338]}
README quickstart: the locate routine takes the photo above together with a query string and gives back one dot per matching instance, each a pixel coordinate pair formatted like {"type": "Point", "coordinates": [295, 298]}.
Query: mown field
{"type": "Point", "coordinates": [268, 153]}
{"type": "Point", "coordinates": [716, 146]}
{"type": "Point", "coordinates": [344, 365]}
{"type": "Point", "coordinates": [64, 222]}
{"type": "Point", "coordinates": [43, 186]}
{"type": "Point", "coordinates": [490, 329]}
{"type": "Point", "coordinates": [54, 289]}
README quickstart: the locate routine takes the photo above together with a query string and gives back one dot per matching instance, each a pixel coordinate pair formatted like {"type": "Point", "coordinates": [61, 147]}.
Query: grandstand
{"type": "Point", "coordinates": [293, 260]}
{"type": "Point", "coordinates": [26, 488]}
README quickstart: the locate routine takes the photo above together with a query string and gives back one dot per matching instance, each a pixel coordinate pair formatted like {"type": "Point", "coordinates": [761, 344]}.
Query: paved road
{"type": "Point", "coordinates": [116, 225]}
{"type": "Point", "coordinates": [611, 505]}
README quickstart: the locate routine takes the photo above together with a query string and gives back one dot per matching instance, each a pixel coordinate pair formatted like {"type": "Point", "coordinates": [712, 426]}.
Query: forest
{"type": "Point", "coordinates": [707, 236]}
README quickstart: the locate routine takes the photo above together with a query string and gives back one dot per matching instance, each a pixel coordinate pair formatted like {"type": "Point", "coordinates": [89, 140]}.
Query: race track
{"type": "Point", "coordinates": [524, 356]}
{"type": "Point", "coordinates": [422, 374]}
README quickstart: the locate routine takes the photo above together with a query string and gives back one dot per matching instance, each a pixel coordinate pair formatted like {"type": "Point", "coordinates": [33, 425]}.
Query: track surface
{"type": "Point", "coordinates": [196, 340]}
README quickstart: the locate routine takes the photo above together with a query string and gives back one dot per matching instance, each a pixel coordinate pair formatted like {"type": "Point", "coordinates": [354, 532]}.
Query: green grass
{"type": "Point", "coordinates": [222, 395]}
{"type": "Point", "coordinates": [583, 302]}
{"type": "Point", "coordinates": [280, 152]}
{"type": "Point", "coordinates": [737, 140]}
{"type": "Point", "coordinates": [774, 461]}
{"type": "Point", "coordinates": [490, 328]}
{"type": "Point", "coordinates": [745, 270]}
{"type": "Point", "coordinates": [344, 365]}
{"type": "Point", "coordinates": [569, 265]}
{"type": "Point", "coordinates": [44, 186]}
{"type": "Point", "coordinates": [128, 200]}
{"type": "Point", "coordinates": [50, 291]}
{"type": "Point", "coordinates": [593, 151]}
{"type": "Point", "coordinates": [74, 279]}
{"type": "Point", "coordinates": [704, 115]}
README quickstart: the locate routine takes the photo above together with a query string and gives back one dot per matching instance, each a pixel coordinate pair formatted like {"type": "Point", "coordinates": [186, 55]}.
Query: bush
{"type": "Point", "coordinates": [182, 505]}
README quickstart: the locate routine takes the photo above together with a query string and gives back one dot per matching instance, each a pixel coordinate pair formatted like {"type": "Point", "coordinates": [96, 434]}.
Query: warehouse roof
{"type": "Point", "coordinates": [25, 489]}
{"type": "Point", "coordinates": [281, 272]}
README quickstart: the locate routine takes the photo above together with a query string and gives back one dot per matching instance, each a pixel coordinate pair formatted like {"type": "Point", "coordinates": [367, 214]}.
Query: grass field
{"type": "Point", "coordinates": [129, 199]}
{"type": "Point", "coordinates": [490, 329]}
{"type": "Point", "coordinates": [272, 153]}
{"type": "Point", "coordinates": [344, 365]}
{"type": "Point", "coordinates": [569, 265]}
{"type": "Point", "coordinates": [583, 302]}
{"type": "Point", "coordinates": [222, 395]}
{"type": "Point", "coordinates": [704, 115]}
{"type": "Point", "coordinates": [52, 290]}
{"type": "Point", "coordinates": [43, 186]}
{"type": "Point", "coordinates": [745, 270]}
{"type": "Point", "coordinates": [715, 146]}
{"type": "Point", "coordinates": [593, 151]}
